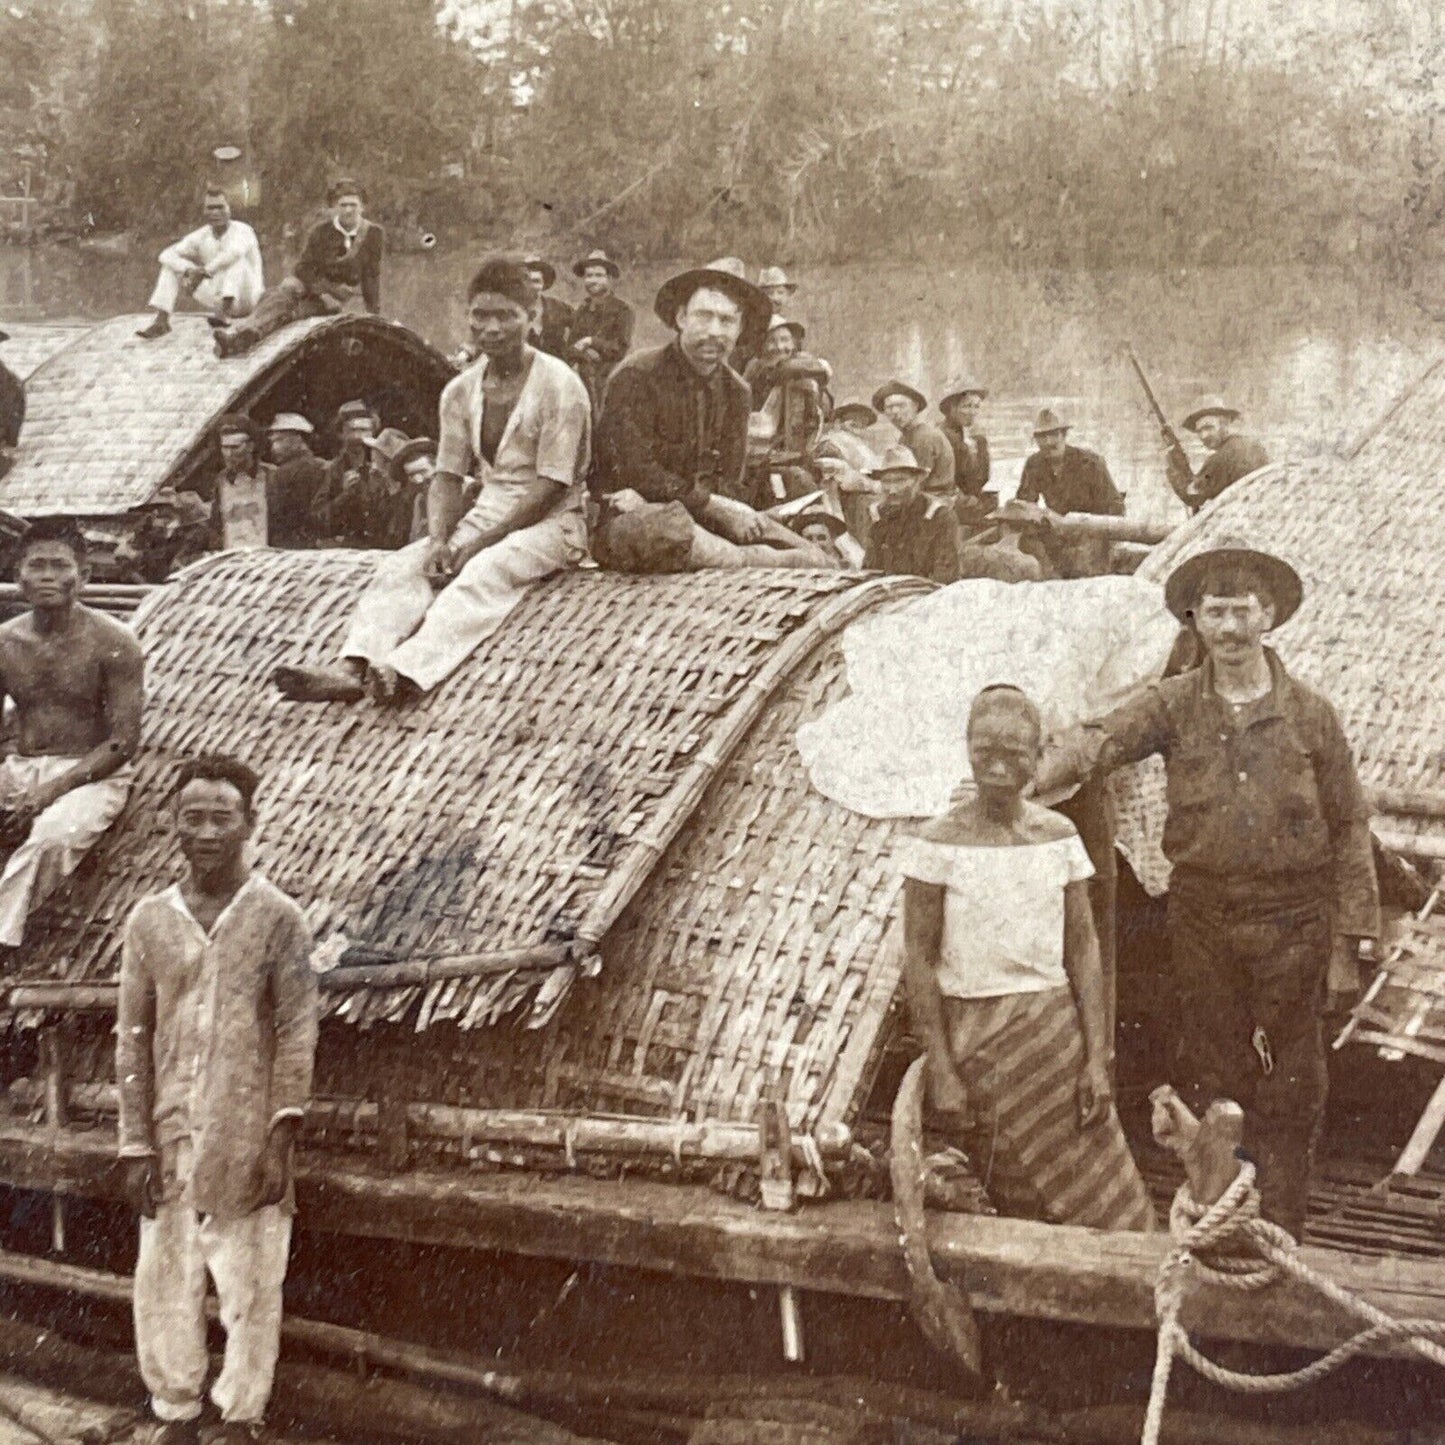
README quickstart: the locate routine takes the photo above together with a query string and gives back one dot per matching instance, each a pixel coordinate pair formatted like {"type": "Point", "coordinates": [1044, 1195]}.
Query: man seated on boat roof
{"type": "Point", "coordinates": [1065, 478]}
{"type": "Point", "coordinates": [911, 534]}
{"type": "Point", "coordinates": [672, 442]}
{"type": "Point", "coordinates": [999, 554]}
{"type": "Point", "coordinates": [1004, 984]}
{"type": "Point", "coordinates": [75, 677]}
{"type": "Point", "coordinates": [1232, 455]}
{"type": "Point", "coordinates": [1272, 896]}
{"type": "Point", "coordinates": [522, 420]}
{"type": "Point", "coordinates": [341, 259]}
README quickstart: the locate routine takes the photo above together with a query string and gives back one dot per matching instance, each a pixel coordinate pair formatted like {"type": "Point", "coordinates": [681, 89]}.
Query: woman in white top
{"type": "Point", "coordinates": [1004, 983]}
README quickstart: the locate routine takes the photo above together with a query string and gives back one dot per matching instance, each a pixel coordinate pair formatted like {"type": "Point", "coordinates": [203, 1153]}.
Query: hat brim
{"type": "Point", "coordinates": [1191, 422]}
{"type": "Point", "coordinates": [1181, 587]}
{"type": "Point", "coordinates": [898, 388]}
{"type": "Point", "coordinates": [1048, 431]}
{"type": "Point", "coordinates": [796, 327]}
{"type": "Point", "coordinates": [416, 447]}
{"type": "Point", "coordinates": [836, 525]}
{"type": "Point", "coordinates": [756, 308]}
{"type": "Point", "coordinates": [579, 268]}
{"type": "Point", "coordinates": [878, 473]}
{"type": "Point", "coordinates": [548, 270]}
{"type": "Point", "coordinates": [981, 392]}
{"type": "Point", "coordinates": [859, 407]}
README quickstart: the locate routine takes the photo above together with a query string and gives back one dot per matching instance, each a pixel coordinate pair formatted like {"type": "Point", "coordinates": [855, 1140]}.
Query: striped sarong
{"type": "Point", "coordinates": [1019, 1056]}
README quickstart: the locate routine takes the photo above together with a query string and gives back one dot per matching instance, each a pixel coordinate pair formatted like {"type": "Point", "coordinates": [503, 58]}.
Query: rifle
{"type": "Point", "coordinates": [1176, 459]}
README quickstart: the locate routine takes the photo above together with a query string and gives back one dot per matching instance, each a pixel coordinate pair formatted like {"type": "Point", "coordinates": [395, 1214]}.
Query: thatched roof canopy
{"type": "Point", "coordinates": [520, 807]}
{"type": "Point", "coordinates": [31, 344]}
{"type": "Point", "coordinates": [111, 418]}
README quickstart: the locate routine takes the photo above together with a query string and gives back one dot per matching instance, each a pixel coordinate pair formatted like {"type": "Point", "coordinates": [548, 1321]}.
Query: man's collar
{"type": "Point", "coordinates": [678, 357]}
{"type": "Point", "coordinates": [350, 236]}
{"type": "Point", "coordinates": [1266, 705]}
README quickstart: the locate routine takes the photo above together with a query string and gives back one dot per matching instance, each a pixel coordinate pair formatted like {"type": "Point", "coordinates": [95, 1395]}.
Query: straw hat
{"type": "Point", "coordinates": [776, 276]}
{"type": "Point", "coordinates": [676, 290]}
{"type": "Point", "coordinates": [387, 444]}
{"type": "Point", "coordinates": [1049, 420]}
{"type": "Point", "coordinates": [855, 404]}
{"type": "Point", "coordinates": [964, 386]}
{"type": "Point", "coordinates": [548, 270]}
{"type": "Point", "coordinates": [1181, 587]}
{"type": "Point", "coordinates": [1209, 406]}
{"type": "Point", "coordinates": [898, 388]}
{"type": "Point", "coordinates": [897, 458]}
{"type": "Point", "coordinates": [292, 422]}
{"type": "Point", "coordinates": [598, 257]}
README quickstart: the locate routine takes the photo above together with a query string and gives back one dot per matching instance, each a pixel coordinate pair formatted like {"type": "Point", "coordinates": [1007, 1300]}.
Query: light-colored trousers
{"type": "Point", "coordinates": [425, 635]}
{"type": "Point", "coordinates": [59, 837]}
{"type": "Point", "coordinates": [247, 1259]}
{"type": "Point", "coordinates": [234, 281]}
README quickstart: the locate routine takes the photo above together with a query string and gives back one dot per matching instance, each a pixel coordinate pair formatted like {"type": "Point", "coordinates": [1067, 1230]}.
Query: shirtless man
{"type": "Point", "coordinates": [75, 677]}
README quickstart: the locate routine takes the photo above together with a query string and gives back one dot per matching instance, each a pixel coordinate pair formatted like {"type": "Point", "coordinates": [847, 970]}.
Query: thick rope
{"type": "Point", "coordinates": [1231, 1245]}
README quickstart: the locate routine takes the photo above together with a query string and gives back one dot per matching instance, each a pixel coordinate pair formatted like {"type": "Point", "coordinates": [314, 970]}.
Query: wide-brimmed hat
{"type": "Point", "coordinates": [796, 327]}
{"type": "Point", "coordinates": [776, 276]}
{"type": "Point", "coordinates": [1209, 406]}
{"type": "Point", "coordinates": [962, 386]}
{"type": "Point", "coordinates": [1181, 587]}
{"type": "Point", "coordinates": [733, 265]}
{"type": "Point", "coordinates": [897, 458]}
{"type": "Point", "coordinates": [387, 444]}
{"type": "Point", "coordinates": [416, 447]}
{"type": "Point", "coordinates": [676, 290]}
{"type": "Point", "coordinates": [548, 270]}
{"type": "Point", "coordinates": [898, 388]}
{"type": "Point", "coordinates": [1050, 420]}
{"type": "Point", "coordinates": [1014, 513]}
{"type": "Point", "coordinates": [293, 422]}
{"type": "Point", "coordinates": [233, 422]}
{"type": "Point", "coordinates": [854, 403]}
{"type": "Point", "coordinates": [352, 410]}
{"type": "Point", "coordinates": [835, 524]}
{"type": "Point", "coordinates": [598, 257]}
{"type": "Point", "coordinates": [188, 508]}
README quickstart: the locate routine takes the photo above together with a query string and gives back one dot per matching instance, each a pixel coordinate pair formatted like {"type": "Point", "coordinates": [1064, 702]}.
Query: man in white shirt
{"type": "Point", "coordinates": [219, 265]}
{"type": "Point", "coordinates": [518, 419]}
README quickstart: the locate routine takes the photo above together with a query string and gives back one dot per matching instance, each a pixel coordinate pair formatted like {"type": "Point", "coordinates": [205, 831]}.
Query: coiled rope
{"type": "Point", "coordinates": [1229, 1244]}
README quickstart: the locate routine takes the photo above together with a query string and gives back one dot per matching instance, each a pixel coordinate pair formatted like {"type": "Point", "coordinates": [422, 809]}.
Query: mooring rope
{"type": "Point", "coordinates": [1229, 1244]}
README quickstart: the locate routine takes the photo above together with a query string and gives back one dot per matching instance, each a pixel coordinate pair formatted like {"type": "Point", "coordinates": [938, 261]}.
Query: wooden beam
{"type": "Point", "coordinates": [1005, 1266]}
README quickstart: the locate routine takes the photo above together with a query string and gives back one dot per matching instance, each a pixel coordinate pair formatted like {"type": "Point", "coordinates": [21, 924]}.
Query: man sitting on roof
{"type": "Point", "coordinates": [75, 677]}
{"type": "Point", "coordinates": [913, 534]}
{"type": "Point", "coordinates": [999, 554]}
{"type": "Point", "coordinates": [341, 257]}
{"type": "Point", "coordinates": [673, 436]}
{"type": "Point", "coordinates": [1065, 478]}
{"type": "Point", "coordinates": [520, 417]}
{"type": "Point", "coordinates": [1232, 455]}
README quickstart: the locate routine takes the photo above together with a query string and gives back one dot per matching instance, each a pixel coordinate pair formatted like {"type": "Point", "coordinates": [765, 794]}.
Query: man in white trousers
{"type": "Point", "coordinates": [75, 677]}
{"type": "Point", "coordinates": [218, 264]}
{"type": "Point", "coordinates": [216, 1042]}
{"type": "Point", "coordinates": [521, 421]}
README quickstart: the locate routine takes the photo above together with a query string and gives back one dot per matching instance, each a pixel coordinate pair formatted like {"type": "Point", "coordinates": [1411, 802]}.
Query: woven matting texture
{"type": "Point", "coordinates": [110, 417]}
{"type": "Point", "coordinates": [755, 948]}
{"type": "Point", "coordinates": [485, 818]}
{"type": "Point", "coordinates": [31, 343]}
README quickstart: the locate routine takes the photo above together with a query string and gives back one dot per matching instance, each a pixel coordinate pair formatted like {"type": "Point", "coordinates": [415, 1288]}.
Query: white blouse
{"type": "Point", "coordinates": [1003, 916]}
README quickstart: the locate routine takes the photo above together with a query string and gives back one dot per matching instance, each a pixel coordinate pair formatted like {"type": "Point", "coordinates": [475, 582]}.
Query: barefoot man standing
{"type": "Point", "coordinates": [75, 677]}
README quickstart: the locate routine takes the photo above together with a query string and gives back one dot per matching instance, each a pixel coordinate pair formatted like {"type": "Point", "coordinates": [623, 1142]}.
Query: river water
{"type": "Point", "coordinates": [1311, 356]}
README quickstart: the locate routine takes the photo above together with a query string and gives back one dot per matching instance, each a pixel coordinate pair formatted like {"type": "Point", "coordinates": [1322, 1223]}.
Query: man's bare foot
{"type": "Point", "coordinates": [319, 684]}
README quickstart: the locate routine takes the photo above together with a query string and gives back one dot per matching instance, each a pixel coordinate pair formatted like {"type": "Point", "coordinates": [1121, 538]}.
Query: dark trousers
{"type": "Point", "coordinates": [1249, 981]}
{"type": "Point", "coordinates": [279, 306]}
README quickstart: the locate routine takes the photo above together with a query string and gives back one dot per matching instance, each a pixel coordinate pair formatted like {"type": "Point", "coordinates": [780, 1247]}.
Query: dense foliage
{"type": "Point", "coordinates": [1074, 132]}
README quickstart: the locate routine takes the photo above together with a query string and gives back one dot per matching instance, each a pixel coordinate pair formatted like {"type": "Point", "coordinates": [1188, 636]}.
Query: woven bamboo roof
{"type": "Point", "coordinates": [1363, 530]}
{"type": "Point", "coordinates": [31, 343]}
{"type": "Point", "coordinates": [111, 418]}
{"type": "Point", "coordinates": [519, 807]}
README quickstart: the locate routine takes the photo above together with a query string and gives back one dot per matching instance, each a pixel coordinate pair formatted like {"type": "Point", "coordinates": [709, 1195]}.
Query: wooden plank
{"type": "Point", "coordinates": [1005, 1266]}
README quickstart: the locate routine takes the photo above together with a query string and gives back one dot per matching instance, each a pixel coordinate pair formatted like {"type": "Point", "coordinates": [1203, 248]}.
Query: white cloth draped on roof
{"type": "Point", "coordinates": [894, 748]}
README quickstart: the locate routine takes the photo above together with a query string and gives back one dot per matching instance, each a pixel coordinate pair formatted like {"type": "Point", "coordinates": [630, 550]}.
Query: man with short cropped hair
{"type": "Point", "coordinates": [215, 1046]}
{"type": "Point", "coordinates": [520, 420]}
{"type": "Point", "coordinates": [75, 677]}
{"type": "Point", "coordinates": [218, 266]}
{"type": "Point", "coordinates": [1273, 898]}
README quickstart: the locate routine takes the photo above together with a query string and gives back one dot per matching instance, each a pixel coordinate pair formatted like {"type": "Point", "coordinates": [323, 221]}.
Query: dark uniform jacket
{"type": "Point", "coordinates": [933, 451]}
{"type": "Point", "coordinates": [1263, 802]}
{"type": "Point", "coordinates": [295, 491]}
{"type": "Point", "coordinates": [669, 433]}
{"type": "Point", "coordinates": [326, 261]}
{"type": "Point", "coordinates": [12, 407]}
{"type": "Point", "coordinates": [918, 540]}
{"type": "Point", "coordinates": [1221, 469]}
{"type": "Point", "coordinates": [551, 335]}
{"type": "Point", "coordinates": [1082, 483]}
{"type": "Point", "coordinates": [608, 321]}
{"type": "Point", "coordinates": [971, 466]}
{"type": "Point", "coordinates": [362, 508]}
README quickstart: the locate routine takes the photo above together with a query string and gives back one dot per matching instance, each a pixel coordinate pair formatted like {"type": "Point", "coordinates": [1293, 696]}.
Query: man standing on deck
{"type": "Point", "coordinates": [519, 418]}
{"type": "Point", "coordinates": [672, 441]}
{"type": "Point", "coordinates": [1273, 899]}
{"type": "Point", "coordinates": [241, 493]}
{"type": "Point", "coordinates": [1231, 456]}
{"type": "Point", "coordinates": [215, 1046]}
{"type": "Point", "coordinates": [219, 265]}
{"type": "Point", "coordinates": [1069, 479]}
{"type": "Point", "coordinates": [298, 483]}
{"type": "Point", "coordinates": [75, 677]}
{"type": "Point", "coordinates": [601, 327]}
{"type": "Point", "coordinates": [341, 258]}
{"type": "Point", "coordinates": [903, 405]}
